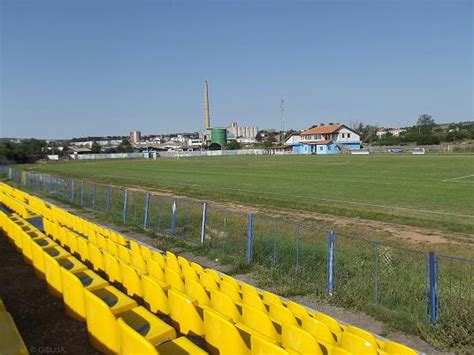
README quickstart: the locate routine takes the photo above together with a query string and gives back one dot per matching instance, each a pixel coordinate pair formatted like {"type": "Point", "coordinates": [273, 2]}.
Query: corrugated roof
{"type": "Point", "coordinates": [323, 129]}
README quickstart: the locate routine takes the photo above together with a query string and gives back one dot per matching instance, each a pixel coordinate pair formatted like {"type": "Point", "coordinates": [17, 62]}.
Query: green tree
{"type": "Point", "coordinates": [425, 124]}
{"type": "Point", "coordinates": [269, 139]}
{"type": "Point", "coordinates": [232, 145]}
{"type": "Point", "coordinates": [96, 148]}
{"type": "Point", "coordinates": [124, 147]}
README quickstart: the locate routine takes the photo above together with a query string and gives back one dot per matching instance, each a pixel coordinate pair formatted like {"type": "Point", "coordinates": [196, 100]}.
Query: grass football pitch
{"type": "Point", "coordinates": [434, 191]}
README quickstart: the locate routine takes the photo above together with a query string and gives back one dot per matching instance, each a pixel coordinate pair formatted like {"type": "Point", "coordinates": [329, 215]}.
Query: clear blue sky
{"type": "Point", "coordinates": [74, 68]}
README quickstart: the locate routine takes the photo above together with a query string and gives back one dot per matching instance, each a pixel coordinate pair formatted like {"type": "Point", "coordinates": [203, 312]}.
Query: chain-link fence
{"type": "Point", "coordinates": [354, 271]}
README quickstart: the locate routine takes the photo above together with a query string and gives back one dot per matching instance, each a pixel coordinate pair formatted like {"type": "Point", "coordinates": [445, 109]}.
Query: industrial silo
{"type": "Point", "coordinates": [219, 136]}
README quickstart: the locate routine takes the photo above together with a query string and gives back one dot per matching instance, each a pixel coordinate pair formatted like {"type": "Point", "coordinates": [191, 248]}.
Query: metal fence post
{"type": "Point", "coordinates": [298, 227]}
{"type": "Point", "coordinates": [331, 262]}
{"type": "Point", "coordinates": [145, 214]}
{"type": "Point", "coordinates": [376, 256]}
{"type": "Point", "coordinates": [94, 189]}
{"type": "Point", "coordinates": [174, 209]}
{"type": "Point", "coordinates": [433, 300]}
{"type": "Point", "coordinates": [72, 190]}
{"type": "Point", "coordinates": [82, 193]}
{"type": "Point", "coordinates": [125, 205]}
{"type": "Point", "coordinates": [203, 223]}
{"type": "Point", "coordinates": [250, 238]}
{"type": "Point", "coordinates": [107, 198]}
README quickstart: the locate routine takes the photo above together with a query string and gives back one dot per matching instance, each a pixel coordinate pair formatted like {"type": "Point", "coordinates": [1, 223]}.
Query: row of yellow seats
{"type": "Point", "coordinates": [34, 203]}
{"type": "Point", "coordinates": [152, 278]}
{"type": "Point", "coordinates": [151, 288]}
{"type": "Point", "coordinates": [159, 281]}
{"type": "Point", "coordinates": [11, 341]}
{"type": "Point", "coordinates": [13, 204]}
{"type": "Point", "coordinates": [329, 331]}
{"type": "Point", "coordinates": [82, 289]}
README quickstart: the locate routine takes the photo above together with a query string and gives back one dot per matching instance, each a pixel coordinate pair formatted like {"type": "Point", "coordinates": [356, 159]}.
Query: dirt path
{"type": "Point", "coordinates": [39, 316]}
{"type": "Point", "coordinates": [363, 227]}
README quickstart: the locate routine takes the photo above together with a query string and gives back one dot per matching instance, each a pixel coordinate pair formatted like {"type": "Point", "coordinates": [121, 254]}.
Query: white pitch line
{"type": "Point", "coordinates": [457, 178]}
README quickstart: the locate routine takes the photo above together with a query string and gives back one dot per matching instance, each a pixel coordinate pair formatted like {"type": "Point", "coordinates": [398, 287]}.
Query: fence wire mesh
{"type": "Point", "coordinates": [366, 272]}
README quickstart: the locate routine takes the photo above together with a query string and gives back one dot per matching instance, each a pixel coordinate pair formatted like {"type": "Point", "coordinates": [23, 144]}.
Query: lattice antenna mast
{"type": "Point", "coordinates": [282, 118]}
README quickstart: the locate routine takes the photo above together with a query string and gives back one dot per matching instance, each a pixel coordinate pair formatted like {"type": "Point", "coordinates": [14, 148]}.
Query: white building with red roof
{"type": "Point", "coordinates": [327, 139]}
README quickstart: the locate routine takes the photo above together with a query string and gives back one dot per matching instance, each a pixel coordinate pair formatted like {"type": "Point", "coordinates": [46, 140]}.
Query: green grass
{"type": "Point", "coordinates": [412, 190]}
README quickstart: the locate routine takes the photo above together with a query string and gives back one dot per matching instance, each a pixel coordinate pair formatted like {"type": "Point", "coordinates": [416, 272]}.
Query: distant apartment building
{"type": "Point", "coordinates": [135, 137]}
{"type": "Point", "coordinates": [396, 132]}
{"type": "Point", "coordinates": [235, 131]}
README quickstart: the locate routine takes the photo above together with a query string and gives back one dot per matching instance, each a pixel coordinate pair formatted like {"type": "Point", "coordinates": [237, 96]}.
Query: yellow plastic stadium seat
{"type": "Point", "coordinates": [83, 249]}
{"type": "Point", "coordinates": [356, 344]}
{"type": "Point", "coordinates": [73, 290]}
{"type": "Point", "coordinates": [71, 241]}
{"type": "Point", "coordinates": [183, 262]}
{"type": "Point", "coordinates": [198, 268]}
{"type": "Point", "coordinates": [131, 280]}
{"type": "Point", "coordinates": [158, 257]}
{"type": "Point", "coordinates": [149, 326]}
{"type": "Point", "coordinates": [222, 335]}
{"type": "Point", "coordinates": [294, 338]}
{"type": "Point", "coordinates": [298, 310]}
{"type": "Point", "coordinates": [26, 250]}
{"type": "Point", "coordinates": [246, 288]}
{"type": "Point", "coordinates": [189, 274]}
{"type": "Point", "coordinates": [394, 348]}
{"type": "Point", "coordinates": [121, 239]}
{"type": "Point", "coordinates": [39, 252]}
{"type": "Point", "coordinates": [146, 252]}
{"type": "Point", "coordinates": [340, 351]}
{"type": "Point", "coordinates": [112, 267]}
{"type": "Point", "coordinates": [208, 282]}
{"type": "Point", "coordinates": [124, 254]}
{"type": "Point", "coordinates": [282, 314]}
{"type": "Point", "coordinates": [138, 262]}
{"type": "Point", "coordinates": [134, 343]}
{"type": "Point", "coordinates": [71, 264]}
{"type": "Point", "coordinates": [269, 298]}
{"type": "Point", "coordinates": [53, 271]}
{"type": "Point", "coordinates": [2, 306]}
{"type": "Point", "coordinates": [363, 334]}
{"type": "Point", "coordinates": [229, 290]}
{"type": "Point", "coordinates": [319, 331]}
{"type": "Point", "coordinates": [231, 280]}
{"type": "Point", "coordinates": [184, 312]}
{"type": "Point", "coordinates": [11, 341]}
{"type": "Point", "coordinates": [196, 291]}
{"type": "Point", "coordinates": [102, 307]}
{"type": "Point", "coordinates": [254, 300]}
{"type": "Point", "coordinates": [112, 247]}
{"type": "Point", "coordinates": [155, 295]}
{"type": "Point", "coordinates": [261, 346]}
{"type": "Point", "coordinates": [223, 304]}
{"type": "Point", "coordinates": [101, 241]}
{"type": "Point", "coordinates": [215, 275]}
{"type": "Point", "coordinates": [331, 323]}
{"type": "Point", "coordinates": [174, 279]}
{"type": "Point", "coordinates": [97, 259]}
{"type": "Point", "coordinates": [259, 322]}
{"type": "Point", "coordinates": [134, 247]}
{"type": "Point", "coordinates": [172, 262]}
{"type": "Point", "coordinates": [155, 270]}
